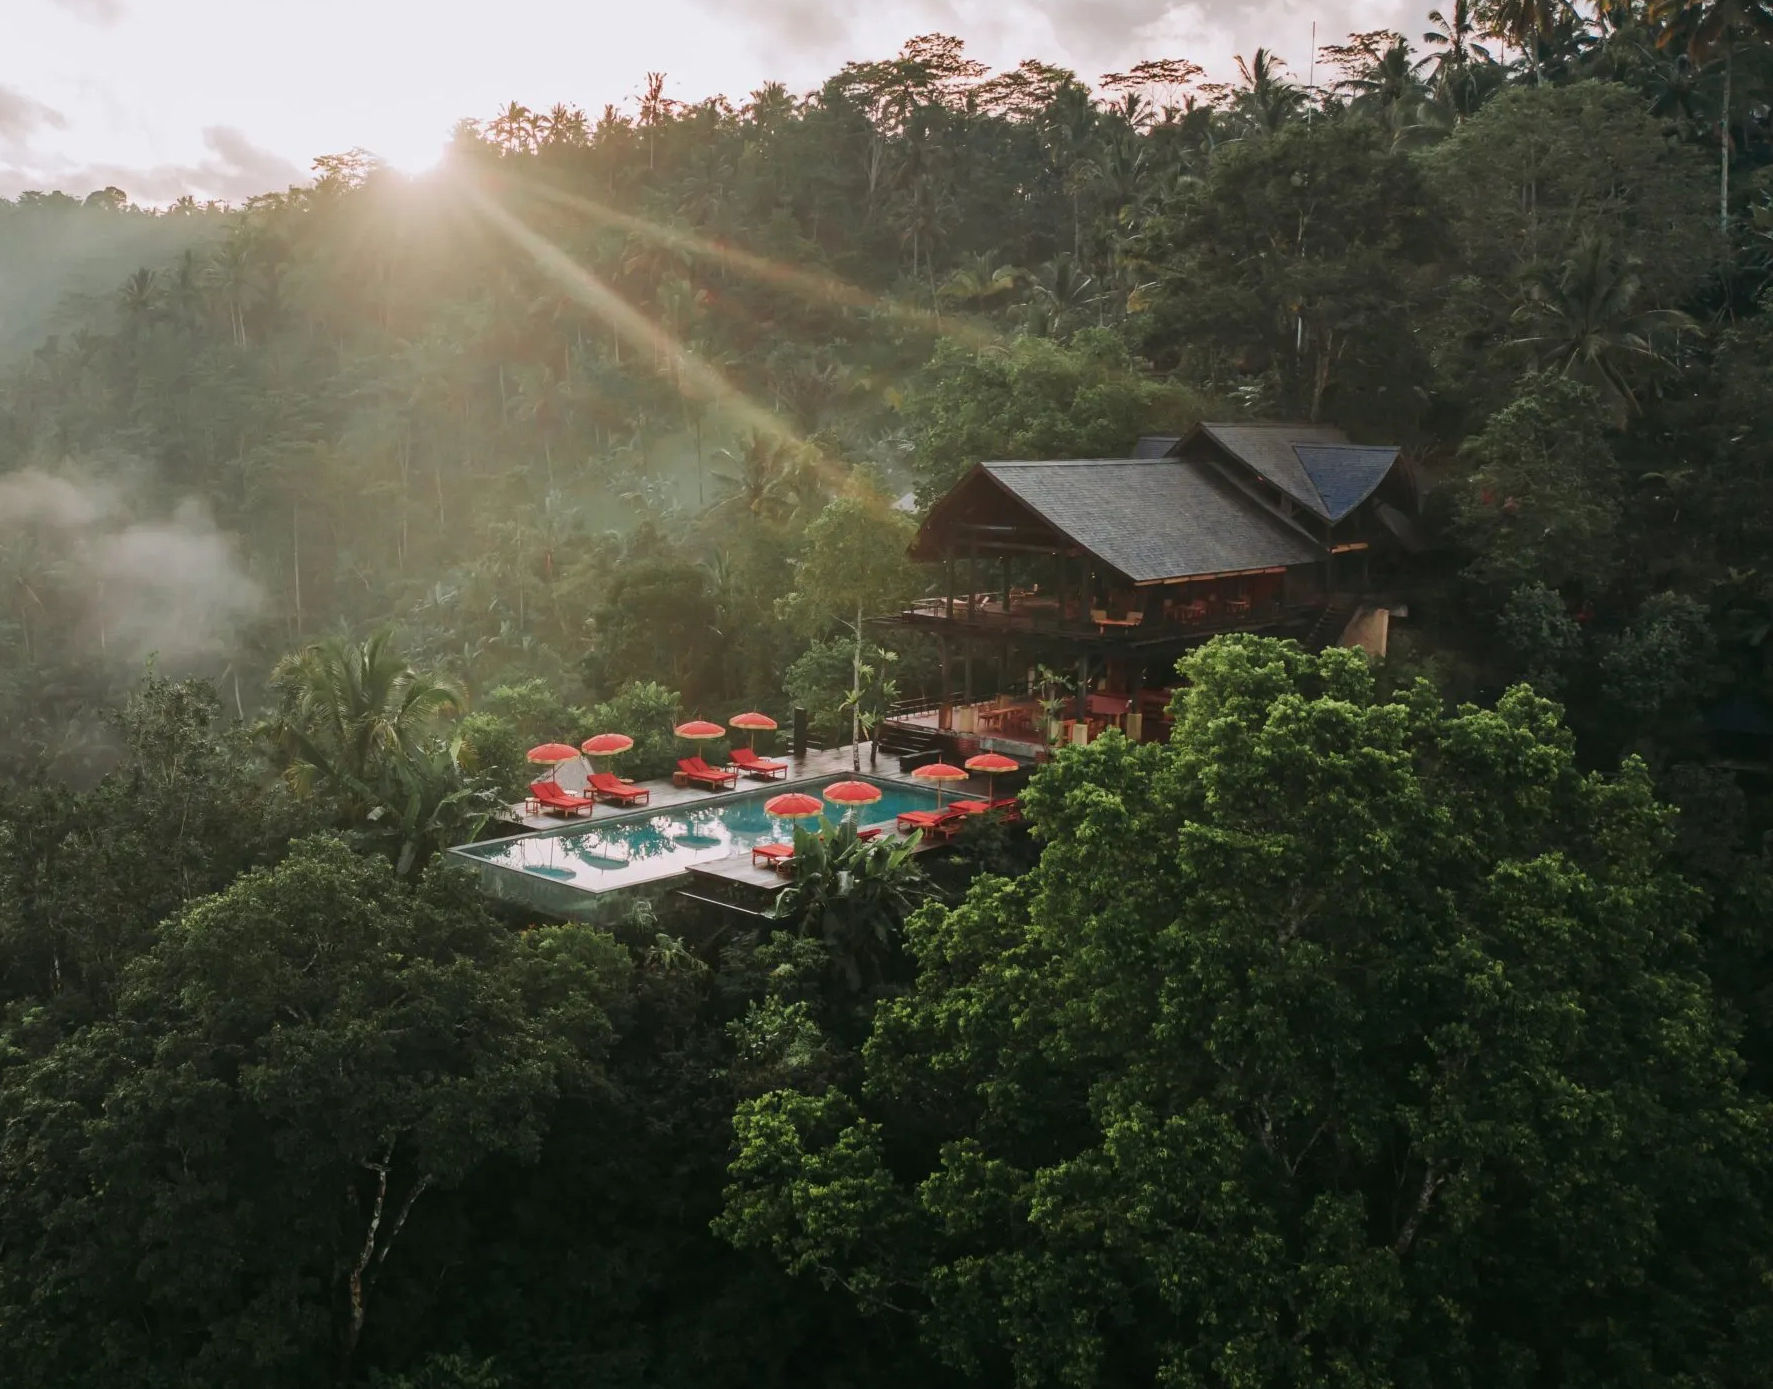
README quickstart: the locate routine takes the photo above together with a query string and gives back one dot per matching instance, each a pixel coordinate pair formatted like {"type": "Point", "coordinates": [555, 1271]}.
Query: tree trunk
{"type": "Point", "coordinates": [1724, 145]}
{"type": "Point", "coordinates": [856, 704]}
{"type": "Point", "coordinates": [295, 555]}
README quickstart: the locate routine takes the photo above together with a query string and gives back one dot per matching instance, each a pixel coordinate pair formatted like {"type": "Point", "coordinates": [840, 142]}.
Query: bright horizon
{"type": "Point", "coordinates": [226, 98]}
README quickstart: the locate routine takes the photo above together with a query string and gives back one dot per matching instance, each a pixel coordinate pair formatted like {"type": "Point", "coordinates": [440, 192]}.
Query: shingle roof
{"type": "Point", "coordinates": [1345, 475]}
{"type": "Point", "coordinates": [1155, 518]}
{"type": "Point", "coordinates": [1314, 464]}
{"type": "Point", "coordinates": [1155, 445]}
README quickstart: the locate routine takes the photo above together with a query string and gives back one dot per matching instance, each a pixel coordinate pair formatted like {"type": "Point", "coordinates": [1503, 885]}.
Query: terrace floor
{"type": "Point", "coordinates": [828, 762]}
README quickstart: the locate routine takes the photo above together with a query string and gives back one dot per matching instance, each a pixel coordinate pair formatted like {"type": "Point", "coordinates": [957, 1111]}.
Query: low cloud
{"type": "Point", "coordinates": [124, 582]}
{"type": "Point", "coordinates": [233, 170]}
{"type": "Point", "coordinates": [1092, 36]}
{"type": "Point", "coordinates": [21, 116]}
{"type": "Point", "coordinates": [94, 11]}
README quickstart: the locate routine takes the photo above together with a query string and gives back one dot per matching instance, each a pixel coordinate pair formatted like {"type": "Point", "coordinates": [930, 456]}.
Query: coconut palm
{"type": "Point", "coordinates": [1588, 323]}
{"type": "Point", "coordinates": [1524, 23]}
{"type": "Point", "coordinates": [1709, 30]}
{"type": "Point", "coordinates": [1266, 101]}
{"type": "Point", "coordinates": [348, 713]}
{"type": "Point", "coordinates": [980, 280]}
{"type": "Point", "coordinates": [1453, 64]}
{"type": "Point", "coordinates": [854, 895]}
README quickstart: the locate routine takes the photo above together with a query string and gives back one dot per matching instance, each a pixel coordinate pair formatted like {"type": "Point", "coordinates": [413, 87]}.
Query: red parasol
{"type": "Point", "coordinates": [753, 723]}
{"type": "Point", "coordinates": [699, 728]}
{"type": "Point", "coordinates": [794, 805]}
{"type": "Point", "coordinates": [606, 745]}
{"type": "Point", "coordinates": [940, 772]}
{"type": "Point", "coordinates": [552, 755]}
{"type": "Point", "coordinates": [992, 763]}
{"type": "Point", "coordinates": [852, 793]}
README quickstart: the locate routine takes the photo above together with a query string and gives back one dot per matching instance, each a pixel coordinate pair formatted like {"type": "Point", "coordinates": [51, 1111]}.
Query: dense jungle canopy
{"type": "Point", "coordinates": [1399, 1023]}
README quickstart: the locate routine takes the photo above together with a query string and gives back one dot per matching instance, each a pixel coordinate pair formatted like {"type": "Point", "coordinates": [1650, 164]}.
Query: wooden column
{"type": "Point", "coordinates": [1136, 708]}
{"type": "Point", "coordinates": [1083, 687]}
{"type": "Point", "coordinates": [948, 581]}
{"type": "Point", "coordinates": [966, 669]}
{"type": "Point", "coordinates": [1005, 572]}
{"type": "Point", "coordinates": [942, 711]}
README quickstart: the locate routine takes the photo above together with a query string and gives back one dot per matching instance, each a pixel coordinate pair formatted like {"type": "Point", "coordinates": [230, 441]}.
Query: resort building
{"type": "Point", "coordinates": [1069, 589]}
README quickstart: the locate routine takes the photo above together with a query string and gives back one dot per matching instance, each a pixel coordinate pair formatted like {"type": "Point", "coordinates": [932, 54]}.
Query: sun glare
{"type": "Point", "coordinates": [416, 156]}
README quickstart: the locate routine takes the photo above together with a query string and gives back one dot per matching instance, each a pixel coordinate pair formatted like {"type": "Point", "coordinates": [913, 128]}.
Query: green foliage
{"type": "Point", "coordinates": [1664, 661]}
{"type": "Point", "coordinates": [1343, 1040]}
{"type": "Point", "coordinates": [442, 1372]}
{"type": "Point", "coordinates": [1036, 398]}
{"type": "Point", "coordinates": [853, 562]}
{"type": "Point", "coordinates": [85, 877]}
{"type": "Point", "coordinates": [819, 681]}
{"type": "Point", "coordinates": [492, 747]}
{"type": "Point", "coordinates": [1527, 180]}
{"type": "Point", "coordinates": [1345, 226]}
{"type": "Point", "coordinates": [656, 624]}
{"type": "Point", "coordinates": [1544, 641]}
{"type": "Point", "coordinates": [359, 727]}
{"type": "Point", "coordinates": [854, 894]}
{"type": "Point", "coordinates": [1541, 502]}
{"type": "Point", "coordinates": [535, 712]}
{"type": "Point", "coordinates": [646, 712]}
{"type": "Point", "coordinates": [294, 1067]}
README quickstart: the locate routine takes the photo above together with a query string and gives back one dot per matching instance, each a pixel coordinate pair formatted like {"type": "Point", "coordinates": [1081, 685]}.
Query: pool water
{"type": "Point", "coordinates": [599, 855]}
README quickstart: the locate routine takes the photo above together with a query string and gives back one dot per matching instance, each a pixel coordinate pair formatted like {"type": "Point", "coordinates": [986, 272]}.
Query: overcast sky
{"type": "Point", "coordinates": [225, 98]}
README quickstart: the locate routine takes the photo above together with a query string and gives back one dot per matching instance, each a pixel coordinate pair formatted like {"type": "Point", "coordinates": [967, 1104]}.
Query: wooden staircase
{"type": "Point", "coordinates": [908, 740]}
{"type": "Point", "coordinates": [1329, 623]}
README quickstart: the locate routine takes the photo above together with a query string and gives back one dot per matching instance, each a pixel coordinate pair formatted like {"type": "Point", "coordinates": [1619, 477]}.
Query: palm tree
{"type": "Point", "coordinates": [1589, 326]}
{"type": "Point", "coordinates": [140, 297]}
{"type": "Point", "coordinates": [854, 895]}
{"type": "Point", "coordinates": [349, 713]}
{"type": "Point", "coordinates": [980, 280]}
{"type": "Point", "coordinates": [1708, 29]}
{"type": "Point", "coordinates": [655, 109]}
{"type": "Point", "coordinates": [1524, 23]}
{"type": "Point", "coordinates": [1382, 82]}
{"type": "Point", "coordinates": [772, 479]}
{"type": "Point", "coordinates": [515, 129]}
{"type": "Point", "coordinates": [1267, 101]}
{"type": "Point", "coordinates": [1062, 292]}
{"type": "Point", "coordinates": [1453, 69]}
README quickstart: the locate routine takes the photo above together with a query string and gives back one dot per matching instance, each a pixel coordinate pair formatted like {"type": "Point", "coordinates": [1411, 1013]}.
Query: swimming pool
{"type": "Point", "coordinates": [624, 851]}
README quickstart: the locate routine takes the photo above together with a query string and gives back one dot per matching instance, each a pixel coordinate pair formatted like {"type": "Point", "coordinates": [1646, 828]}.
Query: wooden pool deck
{"type": "Point", "coordinates": [827, 763]}
{"type": "Point", "coordinates": [736, 878]}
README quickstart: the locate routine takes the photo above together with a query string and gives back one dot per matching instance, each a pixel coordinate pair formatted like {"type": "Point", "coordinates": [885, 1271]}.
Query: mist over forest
{"type": "Point", "coordinates": [1299, 1007]}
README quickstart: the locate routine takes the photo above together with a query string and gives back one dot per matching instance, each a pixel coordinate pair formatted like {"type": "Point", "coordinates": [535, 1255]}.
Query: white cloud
{"type": "Point", "coordinates": [233, 170]}
{"type": "Point", "coordinates": [94, 11]}
{"type": "Point", "coordinates": [121, 93]}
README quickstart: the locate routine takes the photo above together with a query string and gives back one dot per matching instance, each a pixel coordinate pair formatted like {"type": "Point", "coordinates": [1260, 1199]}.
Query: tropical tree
{"type": "Point", "coordinates": [221, 1181]}
{"type": "Point", "coordinates": [1708, 29]}
{"type": "Point", "coordinates": [1343, 1030]}
{"type": "Point", "coordinates": [1266, 101]}
{"type": "Point", "coordinates": [1524, 23]}
{"type": "Point", "coordinates": [853, 894]}
{"type": "Point", "coordinates": [1588, 323]}
{"type": "Point", "coordinates": [350, 712]}
{"type": "Point", "coordinates": [1454, 62]}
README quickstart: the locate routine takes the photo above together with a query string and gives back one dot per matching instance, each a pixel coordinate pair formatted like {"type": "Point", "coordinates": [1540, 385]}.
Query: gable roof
{"type": "Point", "coordinates": [1156, 445]}
{"type": "Point", "coordinates": [1314, 464]}
{"type": "Point", "coordinates": [1155, 519]}
{"type": "Point", "coordinates": [1345, 475]}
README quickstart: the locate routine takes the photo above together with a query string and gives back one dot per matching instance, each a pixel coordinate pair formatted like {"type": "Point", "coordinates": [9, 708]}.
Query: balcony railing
{"type": "Point", "coordinates": [1203, 617]}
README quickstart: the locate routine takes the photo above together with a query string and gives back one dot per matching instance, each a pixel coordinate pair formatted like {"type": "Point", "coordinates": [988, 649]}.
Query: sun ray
{"type": "Point", "coordinates": [696, 377]}
{"type": "Point", "coordinates": [817, 287]}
